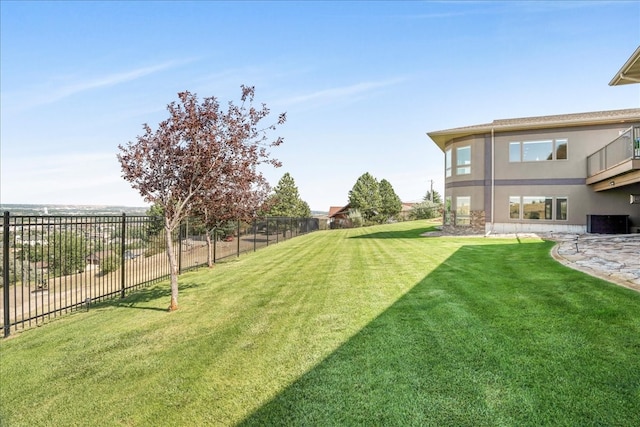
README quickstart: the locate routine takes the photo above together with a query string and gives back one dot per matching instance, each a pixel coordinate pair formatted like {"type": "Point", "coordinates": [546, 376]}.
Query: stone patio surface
{"type": "Point", "coordinates": [612, 257]}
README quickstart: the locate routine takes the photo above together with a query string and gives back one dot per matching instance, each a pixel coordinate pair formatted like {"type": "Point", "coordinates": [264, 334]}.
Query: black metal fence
{"type": "Point", "coordinates": [53, 265]}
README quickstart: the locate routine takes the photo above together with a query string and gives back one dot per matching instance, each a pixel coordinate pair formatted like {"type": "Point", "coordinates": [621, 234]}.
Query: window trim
{"type": "Point", "coordinates": [463, 166]}
{"type": "Point", "coordinates": [557, 210]}
{"type": "Point", "coordinates": [550, 202]}
{"type": "Point", "coordinates": [466, 224]}
{"type": "Point", "coordinates": [555, 142]}
{"type": "Point", "coordinates": [519, 203]}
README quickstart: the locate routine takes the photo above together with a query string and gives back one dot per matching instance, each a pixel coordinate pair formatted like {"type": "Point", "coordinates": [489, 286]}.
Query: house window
{"type": "Point", "coordinates": [447, 210]}
{"type": "Point", "coordinates": [561, 208]}
{"type": "Point", "coordinates": [514, 152]}
{"type": "Point", "coordinates": [447, 162]}
{"type": "Point", "coordinates": [561, 149]}
{"type": "Point", "coordinates": [463, 210]}
{"type": "Point", "coordinates": [463, 160]}
{"type": "Point", "coordinates": [538, 151]}
{"type": "Point", "coordinates": [514, 207]}
{"type": "Point", "coordinates": [536, 208]}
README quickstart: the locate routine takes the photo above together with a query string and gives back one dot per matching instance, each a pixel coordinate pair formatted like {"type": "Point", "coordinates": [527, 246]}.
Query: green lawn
{"type": "Point", "coordinates": [373, 326]}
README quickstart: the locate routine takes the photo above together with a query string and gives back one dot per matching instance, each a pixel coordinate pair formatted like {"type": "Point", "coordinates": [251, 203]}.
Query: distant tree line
{"type": "Point", "coordinates": [429, 207]}
{"type": "Point", "coordinates": [373, 202]}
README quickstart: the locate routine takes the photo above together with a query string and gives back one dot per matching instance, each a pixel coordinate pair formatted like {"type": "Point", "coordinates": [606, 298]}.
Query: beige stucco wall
{"type": "Point", "coordinates": [582, 143]}
{"type": "Point", "coordinates": [477, 159]}
{"type": "Point", "coordinates": [563, 178]}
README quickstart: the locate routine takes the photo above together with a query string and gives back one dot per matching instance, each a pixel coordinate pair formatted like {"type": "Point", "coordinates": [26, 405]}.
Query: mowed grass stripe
{"type": "Point", "coordinates": [373, 326]}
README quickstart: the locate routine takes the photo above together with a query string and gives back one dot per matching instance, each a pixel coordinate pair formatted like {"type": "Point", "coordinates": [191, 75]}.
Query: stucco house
{"type": "Point", "coordinates": [563, 173]}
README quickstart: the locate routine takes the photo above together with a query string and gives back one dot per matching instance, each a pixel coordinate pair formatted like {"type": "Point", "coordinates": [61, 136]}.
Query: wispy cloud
{"type": "Point", "coordinates": [482, 7]}
{"type": "Point", "coordinates": [57, 93]}
{"type": "Point", "coordinates": [334, 94]}
{"type": "Point", "coordinates": [110, 80]}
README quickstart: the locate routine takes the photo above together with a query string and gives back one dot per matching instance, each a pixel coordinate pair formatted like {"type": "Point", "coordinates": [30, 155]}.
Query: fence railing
{"type": "Point", "coordinates": [53, 265]}
{"type": "Point", "coordinates": [623, 148]}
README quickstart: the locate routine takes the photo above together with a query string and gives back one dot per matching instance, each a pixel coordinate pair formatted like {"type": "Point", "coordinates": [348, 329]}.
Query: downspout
{"type": "Point", "coordinates": [493, 179]}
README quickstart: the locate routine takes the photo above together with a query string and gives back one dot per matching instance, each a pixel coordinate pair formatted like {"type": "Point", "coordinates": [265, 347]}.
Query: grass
{"type": "Point", "coordinates": [373, 326]}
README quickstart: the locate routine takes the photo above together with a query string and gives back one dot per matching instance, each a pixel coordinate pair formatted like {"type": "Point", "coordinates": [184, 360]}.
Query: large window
{"type": "Point", "coordinates": [561, 208]}
{"type": "Point", "coordinates": [463, 210]}
{"type": "Point", "coordinates": [463, 160]}
{"type": "Point", "coordinates": [538, 208]}
{"type": "Point", "coordinates": [447, 162]}
{"type": "Point", "coordinates": [537, 151]}
{"type": "Point", "coordinates": [514, 207]}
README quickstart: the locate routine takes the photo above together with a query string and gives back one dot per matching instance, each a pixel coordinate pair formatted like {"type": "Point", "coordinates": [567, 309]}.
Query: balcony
{"type": "Point", "coordinates": [617, 164]}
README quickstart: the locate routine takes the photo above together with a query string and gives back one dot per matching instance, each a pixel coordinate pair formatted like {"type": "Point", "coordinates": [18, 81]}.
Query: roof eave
{"type": "Point", "coordinates": [630, 71]}
{"type": "Point", "coordinates": [443, 136]}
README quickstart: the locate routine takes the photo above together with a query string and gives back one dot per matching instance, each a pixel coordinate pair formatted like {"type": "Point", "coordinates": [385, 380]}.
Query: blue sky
{"type": "Point", "coordinates": [361, 82]}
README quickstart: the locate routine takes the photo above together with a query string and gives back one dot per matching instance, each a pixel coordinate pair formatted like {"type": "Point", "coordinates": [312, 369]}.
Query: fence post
{"type": "Point", "coordinates": [123, 231]}
{"type": "Point", "coordinates": [255, 233]}
{"type": "Point", "coordinates": [5, 273]}
{"type": "Point", "coordinates": [238, 235]}
{"type": "Point", "coordinates": [215, 242]}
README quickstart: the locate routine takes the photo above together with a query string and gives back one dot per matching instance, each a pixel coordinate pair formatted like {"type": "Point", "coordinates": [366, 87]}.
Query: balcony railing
{"type": "Point", "coordinates": [625, 147]}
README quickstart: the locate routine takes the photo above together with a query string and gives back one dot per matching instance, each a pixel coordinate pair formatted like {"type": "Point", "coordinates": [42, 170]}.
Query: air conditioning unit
{"type": "Point", "coordinates": [635, 199]}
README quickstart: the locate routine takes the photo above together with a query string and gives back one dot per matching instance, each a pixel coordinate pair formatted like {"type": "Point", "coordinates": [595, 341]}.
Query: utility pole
{"type": "Point", "coordinates": [431, 192]}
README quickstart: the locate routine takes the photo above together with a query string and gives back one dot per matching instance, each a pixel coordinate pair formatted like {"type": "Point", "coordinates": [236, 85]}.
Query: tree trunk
{"type": "Point", "coordinates": [209, 250]}
{"type": "Point", "coordinates": [173, 265]}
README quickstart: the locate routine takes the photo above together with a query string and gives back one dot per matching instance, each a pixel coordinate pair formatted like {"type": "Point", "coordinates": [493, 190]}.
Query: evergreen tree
{"type": "Point", "coordinates": [425, 210]}
{"type": "Point", "coordinates": [365, 197]}
{"type": "Point", "coordinates": [304, 211]}
{"type": "Point", "coordinates": [286, 200]}
{"type": "Point", "coordinates": [437, 198]}
{"type": "Point", "coordinates": [390, 203]}
{"type": "Point", "coordinates": [355, 218]}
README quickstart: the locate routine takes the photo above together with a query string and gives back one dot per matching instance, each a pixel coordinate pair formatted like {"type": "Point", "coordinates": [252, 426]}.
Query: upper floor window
{"type": "Point", "coordinates": [561, 146]}
{"type": "Point", "coordinates": [536, 151]}
{"type": "Point", "coordinates": [447, 162]}
{"type": "Point", "coordinates": [463, 160]}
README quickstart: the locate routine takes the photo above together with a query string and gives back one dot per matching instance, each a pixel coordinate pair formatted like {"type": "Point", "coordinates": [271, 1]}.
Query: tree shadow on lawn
{"type": "Point", "coordinates": [487, 338]}
{"type": "Point", "coordinates": [137, 298]}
